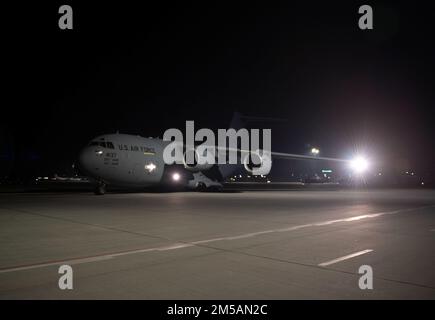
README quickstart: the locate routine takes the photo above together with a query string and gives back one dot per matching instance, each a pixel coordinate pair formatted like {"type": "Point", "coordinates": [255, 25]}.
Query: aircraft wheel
{"type": "Point", "coordinates": [100, 189]}
{"type": "Point", "coordinates": [201, 187]}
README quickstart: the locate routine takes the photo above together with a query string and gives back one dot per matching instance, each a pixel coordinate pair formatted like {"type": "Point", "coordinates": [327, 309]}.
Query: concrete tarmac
{"type": "Point", "coordinates": [230, 245]}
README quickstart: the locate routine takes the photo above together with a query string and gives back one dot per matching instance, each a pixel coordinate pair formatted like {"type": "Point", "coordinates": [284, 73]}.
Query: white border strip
{"type": "Point", "coordinates": [349, 256]}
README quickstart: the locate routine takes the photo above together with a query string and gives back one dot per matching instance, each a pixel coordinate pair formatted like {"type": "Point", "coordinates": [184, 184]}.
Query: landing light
{"type": "Point", "coordinates": [176, 176]}
{"type": "Point", "coordinates": [359, 164]}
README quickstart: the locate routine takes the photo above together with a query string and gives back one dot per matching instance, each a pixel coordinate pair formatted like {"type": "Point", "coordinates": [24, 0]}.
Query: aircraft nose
{"type": "Point", "coordinates": [86, 159]}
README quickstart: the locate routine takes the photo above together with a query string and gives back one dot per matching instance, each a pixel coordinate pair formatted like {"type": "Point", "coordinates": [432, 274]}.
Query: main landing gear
{"type": "Point", "coordinates": [202, 183]}
{"type": "Point", "coordinates": [100, 188]}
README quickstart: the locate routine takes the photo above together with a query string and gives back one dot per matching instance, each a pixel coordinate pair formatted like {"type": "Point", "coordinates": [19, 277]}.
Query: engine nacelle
{"type": "Point", "coordinates": [256, 163]}
{"type": "Point", "coordinates": [195, 167]}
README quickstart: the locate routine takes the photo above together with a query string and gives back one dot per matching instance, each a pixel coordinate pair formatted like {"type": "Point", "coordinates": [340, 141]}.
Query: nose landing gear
{"type": "Point", "coordinates": [100, 188]}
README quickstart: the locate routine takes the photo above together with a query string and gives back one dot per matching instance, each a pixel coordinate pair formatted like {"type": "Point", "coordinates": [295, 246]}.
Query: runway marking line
{"type": "Point", "coordinates": [349, 256]}
{"type": "Point", "coordinates": [180, 244]}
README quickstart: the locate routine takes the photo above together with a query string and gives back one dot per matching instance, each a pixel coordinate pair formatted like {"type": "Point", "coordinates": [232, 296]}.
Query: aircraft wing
{"type": "Point", "coordinates": [287, 156]}
{"type": "Point", "coordinates": [292, 156]}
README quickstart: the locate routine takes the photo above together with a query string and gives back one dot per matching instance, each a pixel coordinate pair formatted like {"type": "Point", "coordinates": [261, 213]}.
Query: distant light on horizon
{"type": "Point", "coordinates": [315, 151]}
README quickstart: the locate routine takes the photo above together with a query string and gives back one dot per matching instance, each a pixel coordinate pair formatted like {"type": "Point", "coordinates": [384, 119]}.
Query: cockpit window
{"type": "Point", "coordinates": [102, 144]}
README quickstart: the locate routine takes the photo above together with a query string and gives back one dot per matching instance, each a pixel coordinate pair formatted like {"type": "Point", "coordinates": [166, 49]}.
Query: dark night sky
{"type": "Point", "coordinates": [143, 69]}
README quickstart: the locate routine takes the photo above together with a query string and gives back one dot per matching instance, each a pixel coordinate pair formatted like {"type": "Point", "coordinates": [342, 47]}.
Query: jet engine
{"type": "Point", "coordinates": [194, 166]}
{"type": "Point", "coordinates": [256, 163]}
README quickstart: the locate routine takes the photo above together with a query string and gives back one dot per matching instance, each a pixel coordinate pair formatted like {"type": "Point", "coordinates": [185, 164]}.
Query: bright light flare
{"type": "Point", "coordinates": [315, 151]}
{"type": "Point", "coordinates": [176, 177]}
{"type": "Point", "coordinates": [359, 165]}
{"type": "Point", "coordinates": [150, 167]}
